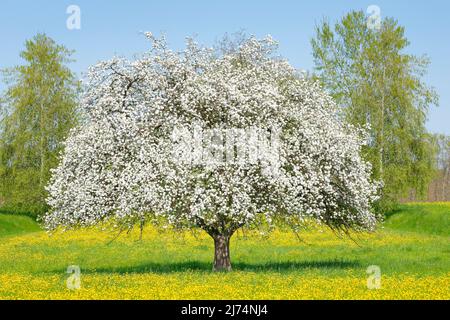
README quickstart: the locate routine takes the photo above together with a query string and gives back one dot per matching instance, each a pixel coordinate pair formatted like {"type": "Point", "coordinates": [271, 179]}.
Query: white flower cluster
{"type": "Point", "coordinates": [119, 163]}
{"type": "Point", "coordinates": [219, 145]}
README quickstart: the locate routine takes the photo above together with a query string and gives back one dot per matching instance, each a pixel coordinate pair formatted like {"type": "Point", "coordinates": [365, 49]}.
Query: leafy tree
{"type": "Point", "coordinates": [38, 110]}
{"type": "Point", "coordinates": [217, 142]}
{"type": "Point", "coordinates": [440, 186]}
{"type": "Point", "coordinates": [376, 83]}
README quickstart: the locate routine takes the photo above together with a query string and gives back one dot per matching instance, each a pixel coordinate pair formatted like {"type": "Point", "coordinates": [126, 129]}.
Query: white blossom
{"type": "Point", "coordinates": [120, 165]}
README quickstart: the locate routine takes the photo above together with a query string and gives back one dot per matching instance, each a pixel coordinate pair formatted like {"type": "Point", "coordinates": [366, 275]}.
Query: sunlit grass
{"type": "Point", "coordinates": [16, 224]}
{"type": "Point", "coordinates": [169, 265]}
{"type": "Point", "coordinates": [431, 218]}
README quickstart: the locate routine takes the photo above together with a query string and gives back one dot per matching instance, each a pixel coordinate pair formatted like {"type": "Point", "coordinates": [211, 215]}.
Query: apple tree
{"type": "Point", "coordinates": [220, 142]}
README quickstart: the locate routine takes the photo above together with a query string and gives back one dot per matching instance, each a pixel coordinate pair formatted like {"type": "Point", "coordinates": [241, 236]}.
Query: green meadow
{"type": "Point", "coordinates": [411, 249]}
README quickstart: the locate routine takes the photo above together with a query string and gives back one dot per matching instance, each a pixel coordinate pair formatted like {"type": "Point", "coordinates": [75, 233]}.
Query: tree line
{"type": "Point", "coordinates": [375, 83]}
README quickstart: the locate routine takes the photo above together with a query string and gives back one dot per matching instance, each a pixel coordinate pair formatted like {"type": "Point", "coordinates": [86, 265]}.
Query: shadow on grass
{"type": "Point", "coordinates": [200, 266]}
{"type": "Point", "coordinates": [394, 211]}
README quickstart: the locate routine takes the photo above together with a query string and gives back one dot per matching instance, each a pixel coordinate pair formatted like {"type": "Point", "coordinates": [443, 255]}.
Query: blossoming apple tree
{"type": "Point", "coordinates": [198, 139]}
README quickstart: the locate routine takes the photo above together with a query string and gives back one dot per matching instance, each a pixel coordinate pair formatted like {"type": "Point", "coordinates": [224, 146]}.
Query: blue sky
{"type": "Point", "coordinates": [113, 27]}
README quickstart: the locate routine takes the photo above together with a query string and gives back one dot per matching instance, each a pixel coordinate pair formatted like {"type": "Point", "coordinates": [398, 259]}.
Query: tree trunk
{"type": "Point", "coordinates": [222, 260]}
{"type": "Point", "coordinates": [41, 147]}
{"type": "Point", "coordinates": [381, 164]}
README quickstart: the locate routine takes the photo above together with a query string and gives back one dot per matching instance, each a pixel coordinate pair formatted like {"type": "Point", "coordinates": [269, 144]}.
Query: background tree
{"type": "Point", "coordinates": [38, 110]}
{"type": "Point", "coordinates": [440, 187]}
{"type": "Point", "coordinates": [376, 83]}
{"type": "Point", "coordinates": [217, 142]}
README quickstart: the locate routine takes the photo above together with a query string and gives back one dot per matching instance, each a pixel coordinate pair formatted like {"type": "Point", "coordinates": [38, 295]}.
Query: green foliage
{"type": "Point", "coordinates": [440, 188]}
{"type": "Point", "coordinates": [38, 109]}
{"type": "Point", "coordinates": [377, 84]}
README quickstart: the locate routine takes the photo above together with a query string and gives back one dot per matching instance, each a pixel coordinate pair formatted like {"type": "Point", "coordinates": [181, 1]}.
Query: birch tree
{"type": "Point", "coordinates": [38, 110]}
{"type": "Point", "coordinates": [374, 82]}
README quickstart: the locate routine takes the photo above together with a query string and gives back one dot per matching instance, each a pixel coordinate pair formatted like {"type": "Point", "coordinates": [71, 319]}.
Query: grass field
{"type": "Point", "coordinates": [412, 250]}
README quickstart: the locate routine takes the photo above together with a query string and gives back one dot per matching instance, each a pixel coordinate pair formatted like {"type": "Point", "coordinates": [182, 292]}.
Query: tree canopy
{"type": "Point", "coordinates": [38, 109]}
{"type": "Point", "coordinates": [376, 83]}
{"type": "Point", "coordinates": [217, 142]}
